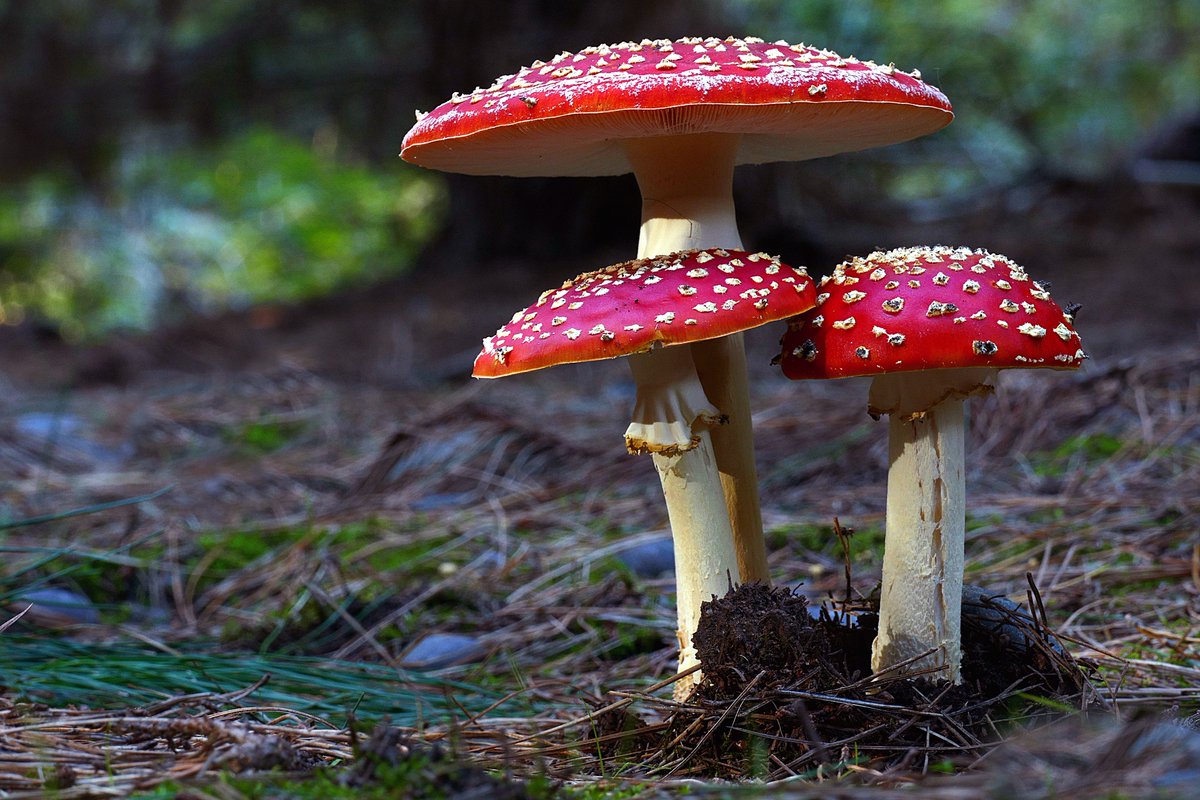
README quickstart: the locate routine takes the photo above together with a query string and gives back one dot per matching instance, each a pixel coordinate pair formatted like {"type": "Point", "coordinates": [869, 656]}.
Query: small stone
{"type": "Point", "coordinates": [441, 650]}
{"type": "Point", "coordinates": [650, 559]}
{"type": "Point", "coordinates": [53, 606]}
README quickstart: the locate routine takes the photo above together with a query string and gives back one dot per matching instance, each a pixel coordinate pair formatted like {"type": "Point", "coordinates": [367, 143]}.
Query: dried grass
{"type": "Point", "coordinates": [1087, 482]}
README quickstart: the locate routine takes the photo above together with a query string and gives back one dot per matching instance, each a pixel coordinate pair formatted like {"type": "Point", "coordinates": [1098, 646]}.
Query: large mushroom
{"type": "Point", "coordinates": [642, 309]}
{"type": "Point", "coordinates": [681, 115]}
{"type": "Point", "coordinates": [932, 325]}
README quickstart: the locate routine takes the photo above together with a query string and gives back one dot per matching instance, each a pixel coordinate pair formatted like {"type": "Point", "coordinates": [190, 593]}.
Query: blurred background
{"type": "Point", "coordinates": [236, 332]}
{"type": "Point", "coordinates": [168, 163]}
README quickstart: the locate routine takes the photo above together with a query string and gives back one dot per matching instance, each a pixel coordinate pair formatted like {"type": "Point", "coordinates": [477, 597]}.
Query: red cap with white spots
{"type": "Point", "coordinates": [567, 116]}
{"type": "Point", "coordinates": [922, 308]}
{"type": "Point", "coordinates": [628, 308]}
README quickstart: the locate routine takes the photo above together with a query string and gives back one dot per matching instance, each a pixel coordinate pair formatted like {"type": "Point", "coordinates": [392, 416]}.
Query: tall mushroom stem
{"type": "Point", "coordinates": [920, 603]}
{"type": "Point", "coordinates": [687, 204]}
{"type": "Point", "coordinates": [923, 560]}
{"type": "Point", "coordinates": [671, 418]}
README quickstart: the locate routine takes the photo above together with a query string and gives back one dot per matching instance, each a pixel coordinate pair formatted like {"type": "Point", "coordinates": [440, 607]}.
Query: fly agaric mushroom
{"type": "Point", "coordinates": [681, 115]}
{"type": "Point", "coordinates": [932, 325]}
{"type": "Point", "coordinates": [641, 309]}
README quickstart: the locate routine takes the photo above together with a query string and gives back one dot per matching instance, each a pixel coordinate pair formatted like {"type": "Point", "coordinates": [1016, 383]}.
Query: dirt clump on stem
{"type": "Point", "coordinates": [758, 629]}
{"type": "Point", "coordinates": [787, 690]}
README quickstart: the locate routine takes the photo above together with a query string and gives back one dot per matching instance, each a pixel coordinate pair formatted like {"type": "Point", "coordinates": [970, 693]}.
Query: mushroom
{"type": "Point", "coordinates": [641, 309]}
{"type": "Point", "coordinates": [932, 325]}
{"type": "Point", "coordinates": [681, 115]}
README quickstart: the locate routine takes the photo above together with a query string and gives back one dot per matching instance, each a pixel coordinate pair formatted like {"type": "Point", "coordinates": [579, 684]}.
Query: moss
{"type": "Point", "coordinates": [945, 767]}
{"type": "Point", "coordinates": [630, 639]}
{"type": "Point", "coordinates": [1084, 449]}
{"type": "Point", "coordinates": [412, 558]}
{"type": "Point", "coordinates": [976, 523]}
{"type": "Point", "coordinates": [263, 436]}
{"type": "Point", "coordinates": [865, 542]}
{"type": "Point", "coordinates": [1002, 553]}
{"type": "Point", "coordinates": [224, 551]}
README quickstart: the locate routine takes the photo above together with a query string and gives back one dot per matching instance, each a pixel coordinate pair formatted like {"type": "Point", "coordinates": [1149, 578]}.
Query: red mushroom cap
{"type": "Point", "coordinates": [566, 117]}
{"type": "Point", "coordinates": [628, 308]}
{"type": "Point", "coordinates": [924, 308]}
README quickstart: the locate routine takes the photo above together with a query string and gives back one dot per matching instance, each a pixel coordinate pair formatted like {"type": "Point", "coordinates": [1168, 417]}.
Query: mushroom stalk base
{"type": "Point", "coordinates": [670, 420]}
{"type": "Point", "coordinates": [687, 204]}
{"type": "Point", "coordinates": [921, 597]}
{"type": "Point", "coordinates": [721, 365]}
{"type": "Point", "coordinates": [705, 560]}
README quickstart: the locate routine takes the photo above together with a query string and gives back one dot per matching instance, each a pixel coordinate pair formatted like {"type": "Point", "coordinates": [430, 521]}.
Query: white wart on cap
{"type": "Point", "coordinates": [921, 308]}
{"type": "Point", "coordinates": [568, 116]}
{"type": "Point", "coordinates": [636, 305]}
{"type": "Point", "coordinates": [932, 325]}
{"type": "Point", "coordinates": [644, 309]}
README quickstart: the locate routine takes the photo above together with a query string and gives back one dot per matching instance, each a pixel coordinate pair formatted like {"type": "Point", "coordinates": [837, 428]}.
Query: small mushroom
{"type": "Point", "coordinates": [932, 325]}
{"type": "Point", "coordinates": [643, 309]}
{"type": "Point", "coordinates": [681, 115]}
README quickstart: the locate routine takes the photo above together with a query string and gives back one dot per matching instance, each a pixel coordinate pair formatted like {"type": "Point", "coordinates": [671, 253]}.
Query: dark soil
{"type": "Point", "coordinates": [370, 415]}
{"type": "Point", "coordinates": [784, 691]}
{"type": "Point", "coordinates": [759, 629]}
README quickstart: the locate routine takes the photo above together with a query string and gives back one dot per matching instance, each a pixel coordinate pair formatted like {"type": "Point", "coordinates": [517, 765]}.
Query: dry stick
{"type": "Point", "coordinates": [779, 762]}
{"type": "Point", "coordinates": [5, 625]}
{"type": "Point", "coordinates": [668, 705]}
{"type": "Point", "coordinates": [846, 701]}
{"type": "Point", "coordinates": [455, 729]}
{"type": "Point", "coordinates": [364, 636]}
{"type": "Point", "coordinates": [1011, 690]}
{"type": "Point", "coordinates": [610, 707]}
{"type": "Point", "coordinates": [734, 706]}
{"type": "Point", "coordinates": [844, 539]}
{"type": "Point", "coordinates": [948, 719]}
{"type": "Point", "coordinates": [200, 697]}
{"type": "Point", "coordinates": [147, 639]}
{"type": "Point", "coordinates": [925, 754]}
{"type": "Point", "coordinates": [283, 712]}
{"type": "Point", "coordinates": [1041, 626]}
{"type": "Point", "coordinates": [774, 737]}
{"type": "Point", "coordinates": [1037, 610]}
{"type": "Point", "coordinates": [874, 677]}
{"type": "Point", "coordinates": [589, 557]}
{"type": "Point", "coordinates": [696, 723]}
{"type": "Point", "coordinates": [473, 719]}
{"type": "Point", "coordinates": [558, 748]}
{"type": "Point", "coordinates": [809, 756]}
{"type": "Point", "coordinates": [368, 636]}
{"type": "Point", "coordinates": [1066, 637]}
{"type": "Point", "coordinates": [1196, 565]}
{"type": "Point", "coordinates": [810, 731]}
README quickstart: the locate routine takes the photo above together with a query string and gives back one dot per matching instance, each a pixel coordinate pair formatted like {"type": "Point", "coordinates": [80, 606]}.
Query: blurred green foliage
{"type": "Point", "coordinates": [259, 217]}
{"type": "Point", "coordinates": [104, 226]}
{"type": "Point", "coordinates": [1064, 86]}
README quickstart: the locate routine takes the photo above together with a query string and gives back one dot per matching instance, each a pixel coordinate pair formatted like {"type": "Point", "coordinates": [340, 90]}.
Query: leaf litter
{"type": "Point", "coordinates": [381, 515]}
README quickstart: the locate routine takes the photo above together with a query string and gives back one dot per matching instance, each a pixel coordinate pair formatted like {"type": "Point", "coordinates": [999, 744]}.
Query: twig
{"type": "Point", "coordinates": [708, 734]}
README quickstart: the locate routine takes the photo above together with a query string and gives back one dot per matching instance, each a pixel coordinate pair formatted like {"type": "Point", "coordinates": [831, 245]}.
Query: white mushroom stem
{"type": "Point", "coordinates": [687, 204]}
{"type": "Point", "coordinates": [921, 596]}
{"type": "Point", "coordinates": [670, 420]}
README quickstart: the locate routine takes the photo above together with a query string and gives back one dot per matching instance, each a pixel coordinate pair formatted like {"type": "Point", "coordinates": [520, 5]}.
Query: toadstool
{"type": "Point", "coordinates": [681, 115]}
{"type": "Point", "coordinates": [643, 309]}
{"type": "Point", "coordinates": [932, 325]}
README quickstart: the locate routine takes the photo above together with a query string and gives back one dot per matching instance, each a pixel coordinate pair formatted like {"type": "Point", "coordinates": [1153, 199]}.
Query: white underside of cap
{"type": "Point", "coordinates": [910, 395]}
{"type": "Point", "coordinates": [590, 143]}
{"type": "Point", "coordinates": [671, 408]}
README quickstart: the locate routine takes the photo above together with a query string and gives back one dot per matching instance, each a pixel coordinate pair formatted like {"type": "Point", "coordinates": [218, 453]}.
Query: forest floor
{"type": "Point", "coordinates": [298, 552]}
